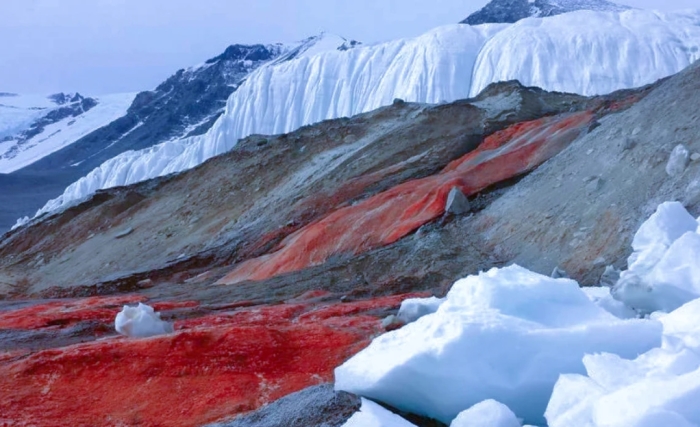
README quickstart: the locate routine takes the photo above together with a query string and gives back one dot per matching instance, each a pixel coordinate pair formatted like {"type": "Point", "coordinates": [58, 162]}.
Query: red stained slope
{"type": "Point", "coordinates": [63, 313]}
{"type": "Point", "coordinates": [386, 217]}
{"type": "Point", "coordinates": [212, 367]}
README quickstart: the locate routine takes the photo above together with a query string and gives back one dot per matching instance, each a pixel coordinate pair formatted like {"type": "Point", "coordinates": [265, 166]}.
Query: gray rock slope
{"type": "Point", "coordinates": [581, 208]}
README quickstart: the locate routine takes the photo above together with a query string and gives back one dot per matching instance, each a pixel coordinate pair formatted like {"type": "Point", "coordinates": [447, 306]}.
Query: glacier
{"type": "Point", "coordinates": [584, 52]}
{"type": "Point", "coordinates": [590, 53]}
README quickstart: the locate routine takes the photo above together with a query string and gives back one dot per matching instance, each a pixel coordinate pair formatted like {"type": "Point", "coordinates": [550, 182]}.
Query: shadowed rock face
{"type": "Point", "coordinates": [318, 235]}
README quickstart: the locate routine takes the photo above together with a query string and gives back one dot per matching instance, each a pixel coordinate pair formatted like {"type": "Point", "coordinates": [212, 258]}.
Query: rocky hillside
{"type": "Point", "coordinates": [278, 260]}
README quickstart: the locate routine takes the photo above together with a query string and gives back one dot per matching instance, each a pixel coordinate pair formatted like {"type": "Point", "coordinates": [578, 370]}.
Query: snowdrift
{"type": "Point", "coordinates": [504, 334]}
{"type": "Point", "coordinates": [664, 269]}
{"type": "Point", "coordinates": [659, 388]}
{"type": "Point", "coordinates": [584, 52]}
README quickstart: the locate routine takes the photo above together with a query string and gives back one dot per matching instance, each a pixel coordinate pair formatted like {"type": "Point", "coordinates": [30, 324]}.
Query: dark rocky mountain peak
{"type": "Point", "coordinates": [65, 98]}
{"type": "Point", "coordinates": [238, 52]}
{"type": "Point", "coordinates": [509, 11]}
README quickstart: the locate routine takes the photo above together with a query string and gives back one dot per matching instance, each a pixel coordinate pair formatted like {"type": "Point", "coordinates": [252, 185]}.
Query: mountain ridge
{"type": "Point", "coordinates": [431, 68]}
{"type": "Point", "coordinates": [184, 105]}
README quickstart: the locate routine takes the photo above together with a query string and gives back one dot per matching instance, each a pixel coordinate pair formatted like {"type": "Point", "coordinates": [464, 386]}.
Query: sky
{"type": "Point", "coordinates": [110, 46]}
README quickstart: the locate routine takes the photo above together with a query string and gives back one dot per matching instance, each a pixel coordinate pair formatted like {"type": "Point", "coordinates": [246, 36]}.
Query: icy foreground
{"type": "Point", "coordinates": [504, 334]}
{"type": "Point", "coordinates": [544, 346]}
{"type": "Point", "coordinates": [578, 52]}
{"type": "Point", "coordinates": [487, 413]}
{"type": "Point", "coordinates": [664, 269]}
{"type": "Point", "coordinates": [662, 386]}
{"type": "Point", "coordinates": [658, 388]}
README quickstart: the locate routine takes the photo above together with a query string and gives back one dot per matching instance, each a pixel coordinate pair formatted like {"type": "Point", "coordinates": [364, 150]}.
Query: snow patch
{"type": "Point", "coordinates": [140, 322]}
{"type": "Point", "coordinates": [486, 413]}
{"type": "Point", "coordinates": [60, 134]}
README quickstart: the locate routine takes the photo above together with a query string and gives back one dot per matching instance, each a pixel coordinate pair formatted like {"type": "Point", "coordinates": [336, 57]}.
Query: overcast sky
{"type": "Point", "coordinates": [107, 46]}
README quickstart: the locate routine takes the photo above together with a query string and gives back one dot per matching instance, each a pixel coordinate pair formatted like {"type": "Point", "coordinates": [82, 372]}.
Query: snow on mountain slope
{"type": "Point", "coordinates": [16, 153]}
{"type": "Point", "coordinates": [590, 52]}
{"type": "Point", "coordinates": [619, 50]}
{"type": "Point", "coordinates": [18, 112]}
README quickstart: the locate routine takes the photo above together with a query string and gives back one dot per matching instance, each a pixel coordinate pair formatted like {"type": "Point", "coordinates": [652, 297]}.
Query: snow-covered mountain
{"type": "Point", "coordinates": [586, 52]}
{"type": "Point", "coordinates": [185, 104]}
{"type": "Point", "coordinates": [510, 11]}
{"type": "Point", "coordinates": [32, 127]}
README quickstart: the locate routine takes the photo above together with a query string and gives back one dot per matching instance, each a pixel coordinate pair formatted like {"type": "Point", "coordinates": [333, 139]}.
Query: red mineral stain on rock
{"type": "Point", "coordinates": [388, 216]}
{"type": "Point", "coordinates": [212, 367]}
{"type": "Point", "coordinates": [65, 312]}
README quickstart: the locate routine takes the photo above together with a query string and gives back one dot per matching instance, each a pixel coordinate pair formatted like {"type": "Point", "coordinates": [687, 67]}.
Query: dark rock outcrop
{"type": "Point", "coordinates": [509, 11]}
{"type": "Point", "coordinates": [318, 406]}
